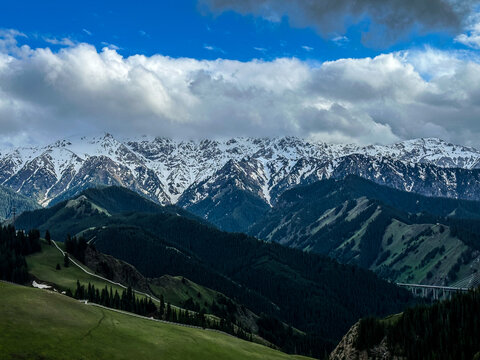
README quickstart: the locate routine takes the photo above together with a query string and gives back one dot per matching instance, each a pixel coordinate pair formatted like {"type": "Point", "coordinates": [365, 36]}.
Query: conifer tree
{"type": "Point", "coordinates": [162, 305]}
{"type": "Point", "coordinates": [168, 312]}
{"type": "Point", "coordinates": [66, 260]}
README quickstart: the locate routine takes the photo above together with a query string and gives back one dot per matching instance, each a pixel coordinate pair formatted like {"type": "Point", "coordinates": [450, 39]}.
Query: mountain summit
{"type": "Point", "coordinates": [239, 176]}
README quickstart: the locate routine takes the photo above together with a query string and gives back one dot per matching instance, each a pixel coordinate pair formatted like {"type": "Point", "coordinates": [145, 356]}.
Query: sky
{"type": "Point", "coordinates": [363, 71]}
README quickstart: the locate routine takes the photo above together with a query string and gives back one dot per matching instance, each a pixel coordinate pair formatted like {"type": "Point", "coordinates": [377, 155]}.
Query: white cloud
{"type": "Point", "coordinates": [307, 48]}
{"type": "Point", "coordinates": [110, 46]}
{"type": "Point", "coordinates": [340, 40]}
{"type": "Point", "coordinates": [62, 42]}
{"type": "Point", "coordinates": [213, 48]}
{"type": "Point", "coordinates": [472, 38]}
{"type": "Point", "coordinates": [45, 95]}
{"type": "Point", "coordinates": [89, 33]}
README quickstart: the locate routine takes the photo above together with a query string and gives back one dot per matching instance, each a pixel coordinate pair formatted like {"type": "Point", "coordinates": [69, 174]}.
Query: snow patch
{"type": "Point", "coordinates": [40, 286]}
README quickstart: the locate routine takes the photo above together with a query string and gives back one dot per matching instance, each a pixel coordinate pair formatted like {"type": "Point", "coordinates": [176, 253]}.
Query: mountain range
{"type": "Point", "coordinates": [404, 237]}
{"type": "Point", "coordinates": [232, 182]}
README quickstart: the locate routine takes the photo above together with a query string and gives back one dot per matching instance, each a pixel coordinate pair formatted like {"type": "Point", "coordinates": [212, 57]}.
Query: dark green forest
{"type": "Point", "coordinates": [447, 330]}
{"type": "Point", "coordinates": [14, 246]}
{"type": "Point", "coordinates": [311, 292]}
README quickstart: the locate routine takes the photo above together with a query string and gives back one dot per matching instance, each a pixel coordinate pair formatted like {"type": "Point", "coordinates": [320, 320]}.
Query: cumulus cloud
{"type": "Point", "coordinates": [47, 94]}
{"type": "Point", "coordinates": [389, 19]}
{"type": "Point", "coordinates": [110, 46]}
{"type": "Point", "coordinates": [472, 37]}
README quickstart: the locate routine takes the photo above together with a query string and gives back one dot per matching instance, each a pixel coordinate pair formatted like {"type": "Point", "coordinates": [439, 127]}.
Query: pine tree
{"type": "Point", "coordinates": [169, 312]}
{"type": "Point", "coordinates": [48, 238]}
{"type": "Point", "coordinates": [162, 305]}
{"type": "Point", "coordinates": [66, 260]}
{"type": "Point", "coordinates": [58, 267]}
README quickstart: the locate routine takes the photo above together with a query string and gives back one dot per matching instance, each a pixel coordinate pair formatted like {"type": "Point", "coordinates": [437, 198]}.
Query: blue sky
{"type": "Point", "coordinates": [376, 72]}
{"type": "Point", "coordinates": [185, 28]}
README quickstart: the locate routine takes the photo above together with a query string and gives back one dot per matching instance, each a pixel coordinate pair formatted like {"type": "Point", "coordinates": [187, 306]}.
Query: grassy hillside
{"type": "Point", "coordinates": [37, 324]}
{"type": "Point", "coordinates": [304, 290]}
{"type": "Point", "coordinates": [178, 291]}
{"type": "Point", "coordinates": [42, 266]}
{"type": "Point", "coordinates": [182, 292]}
{"type": "Point", "coordinates": [401, 236]}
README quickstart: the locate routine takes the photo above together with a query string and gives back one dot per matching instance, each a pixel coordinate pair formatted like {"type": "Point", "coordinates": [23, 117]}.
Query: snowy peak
{"type": "Point", "coordinates": [429, 150]}
{"type": "Point", "coordinates": [167, 170]}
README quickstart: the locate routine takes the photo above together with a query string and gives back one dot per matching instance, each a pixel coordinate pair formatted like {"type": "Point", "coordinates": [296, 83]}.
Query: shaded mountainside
{"type": "Point", "coordinates": [10, 200]}
{"type": "Point", "coordinates": [402, 236]}
{"type": "Point", "coordinates": [232, 199]}
{"type": "Point", "coordinates": [247, 177]}
{"type": "Point", "coordinates": [91, 208]}
{"type": "Point", "coordinates": [232, 182]}
{"type": "Point", "coordinates": [310, 292]}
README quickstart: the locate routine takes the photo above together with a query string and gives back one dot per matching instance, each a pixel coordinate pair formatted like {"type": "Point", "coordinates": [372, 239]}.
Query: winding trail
{"type": "Point", "coordinates": [102, 278]}
{"type": "Point", "coordinates": [97, 325]}
{"type": "Point", "coordinates": [151, 318]}
{"type": "Point", "coordinates": [137, 292]}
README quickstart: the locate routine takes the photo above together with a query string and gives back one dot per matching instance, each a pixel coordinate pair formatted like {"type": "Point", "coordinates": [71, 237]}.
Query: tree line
{"type": "Point", "coordinates": [128, 301]}
{"type": "Point", "coordinates": [14, 246]}
{"type": "Point", "coordinates": [314, 293]}
{"type": "Point", "coordinates": [447, 330]}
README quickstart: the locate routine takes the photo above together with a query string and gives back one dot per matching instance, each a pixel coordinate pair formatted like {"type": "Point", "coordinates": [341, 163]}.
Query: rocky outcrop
{"type": "Point", "coordinates": [346, 349]}
{"type": "Point", "coordinates": [115, 270]}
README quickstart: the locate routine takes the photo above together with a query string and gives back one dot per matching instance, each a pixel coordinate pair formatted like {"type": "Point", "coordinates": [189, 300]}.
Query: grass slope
{"type": "Point", "coordinates": [37, 324]}
{"type": "Point", "coordinates": [175, 289]}
{"type": "Point", "coordinates": [42, 265]}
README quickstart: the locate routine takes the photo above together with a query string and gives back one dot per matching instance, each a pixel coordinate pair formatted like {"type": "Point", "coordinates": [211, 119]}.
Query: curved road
{"type": "Point", "coordinates": [138, 292]}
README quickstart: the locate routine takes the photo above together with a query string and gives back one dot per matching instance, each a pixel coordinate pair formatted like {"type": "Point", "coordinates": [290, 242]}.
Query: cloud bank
{"type": "Point", "coordinates": [47, 95]}
{"type": "Point", "coordinates": [390, 20]}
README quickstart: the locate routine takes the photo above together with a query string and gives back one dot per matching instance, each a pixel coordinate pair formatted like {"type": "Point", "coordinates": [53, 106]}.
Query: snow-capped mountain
{"type": "Point", "coordinates": [208, 174]}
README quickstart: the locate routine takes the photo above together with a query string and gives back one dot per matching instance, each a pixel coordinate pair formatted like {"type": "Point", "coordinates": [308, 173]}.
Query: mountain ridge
{"type": "Point", "coordinates": [240, 176]}
{"type": "Point", "coordinates": [401, 236]}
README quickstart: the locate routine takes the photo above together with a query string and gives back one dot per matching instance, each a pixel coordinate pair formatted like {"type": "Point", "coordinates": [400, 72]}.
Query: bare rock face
{"type": "Point", "coordinates": [115, 270]}
{"type": "Point", "coordinates": [346, 349]}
